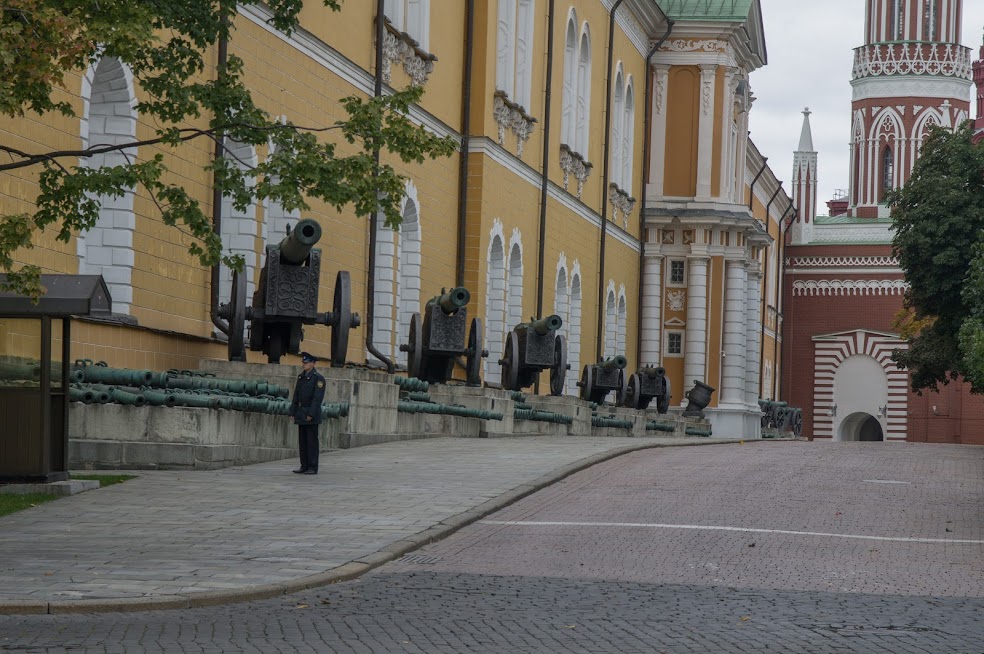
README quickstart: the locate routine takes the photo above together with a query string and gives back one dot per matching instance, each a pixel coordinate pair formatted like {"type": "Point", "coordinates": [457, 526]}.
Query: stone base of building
{"type": "Point", "coordinates": [735, 422]}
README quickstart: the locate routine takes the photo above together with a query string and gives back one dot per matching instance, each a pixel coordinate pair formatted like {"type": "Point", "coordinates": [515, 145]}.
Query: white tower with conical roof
{"type": "Point", "coordinates": [804, 185]}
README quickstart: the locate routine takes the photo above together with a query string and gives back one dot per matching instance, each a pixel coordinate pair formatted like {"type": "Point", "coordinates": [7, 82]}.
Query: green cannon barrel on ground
{"type": "Point", "coordinates": [100, 373]}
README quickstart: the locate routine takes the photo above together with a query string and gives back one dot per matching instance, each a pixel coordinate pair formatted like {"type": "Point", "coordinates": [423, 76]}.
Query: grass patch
{"type": "Point", "coordinates": [105, 480]}
{"type": "Point", "coordinates": [12, 503]}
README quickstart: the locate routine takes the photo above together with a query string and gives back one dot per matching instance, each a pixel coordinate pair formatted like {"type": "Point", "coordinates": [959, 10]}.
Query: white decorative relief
{"type": "Point", "coordinates": [692, 45]}
{"type": "Point", "coordinates": [676, 300]}
{"type": "Point", "coordinates": [511, 116]}
{"type": "Point", "coordinates": [572, 163]}
{"type": "Point", "coordinates": [400, 48]}
{"type": "Point", "coordinates": [850, 287]}
{"type": "Point", "coordinates": [843, 262]}
{"type": "Point", "coordinates": [938, 59]}
{"type": "Point", "coordinates": [621, 201]}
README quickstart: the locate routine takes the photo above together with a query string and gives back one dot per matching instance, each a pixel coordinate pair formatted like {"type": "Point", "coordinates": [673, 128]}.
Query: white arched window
{"type": "Point", "coordinates": [570, 83]}
{"type": "Point", "coordinates": [514, 310]}
{"type": "Point", "coordinates": [574, 330]}
{"type": "Point", "coordinates": [583, 105]}
{"type": "Point", "coordinates": [239, 222]}
{"type": "Point", "coordinates": [611, 325]}
{"type": "Point", "coordinates": [621, 323]}
{"type": "Point", "coordinates": [628, 138]}
{"type": "Point", "coordinates": [412, 17]}
{"type": "Point", "coordinates": [495, 304]}
{"type": "Point", "coordinates": [562, 306]}
{"type": "Point", "coordinates": [397, 278]}
{"type": "Point", "coordinates": [110, 118]}
{"type": "Point", "coordinates": [408, 287]}
{"type": "Point", "coordinates": [618, 121]}
{"type": "Point", "coordinates": [514, 50]}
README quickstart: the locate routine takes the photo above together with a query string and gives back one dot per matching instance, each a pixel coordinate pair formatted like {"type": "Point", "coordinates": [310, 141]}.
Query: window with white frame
{"type": "Point", "coordinates": [623, 132]}
{"type": "Point", "coordinates": [677, 273]}
{"type": "Point", "coordinates": [576, 100]}
{"type": "Point", "coordinates": [570, 82]}
{"type": "Point", "coordinates": [514, 50]}
{"type": "Point", "coordinates": [674, 343]}
{"type": "Point", "coordinates": [574, 330]}
{"type": "Point", "coordinates": [617, 124]}
{"type": "Point", "coordinates": [412, 17]}
{"type": "Point", "coordinates": [583, 107]}
{"type": "Point", "coordinates": [611, 324]}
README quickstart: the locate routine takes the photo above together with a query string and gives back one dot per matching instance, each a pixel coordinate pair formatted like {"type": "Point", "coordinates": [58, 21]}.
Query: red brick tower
{"type": "Point", "coordinates": [842, 285]}
{"type": "Point", "coordinates": [979, 82]}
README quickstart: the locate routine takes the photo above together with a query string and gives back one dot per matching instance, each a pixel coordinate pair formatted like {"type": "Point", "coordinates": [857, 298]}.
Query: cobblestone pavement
{"type": "Point", "coordinates": [858, 547]}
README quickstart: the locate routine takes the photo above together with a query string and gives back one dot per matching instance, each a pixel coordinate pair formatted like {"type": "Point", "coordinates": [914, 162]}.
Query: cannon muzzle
{"type": "Point", "coordinates": [617, 362]}
{"type": "Point", "coordinates": [544, 326]}
{"type": "Point", "coordinates": [653, 371]}
{"type": "Point", "coordinates": [297, 245]}
{"type": "Point", "coordinates": [452, 300]}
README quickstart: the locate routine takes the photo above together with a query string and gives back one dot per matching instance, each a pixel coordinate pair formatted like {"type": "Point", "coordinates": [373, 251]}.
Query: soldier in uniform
{"type": "Point", "coordinates": [305, 412]}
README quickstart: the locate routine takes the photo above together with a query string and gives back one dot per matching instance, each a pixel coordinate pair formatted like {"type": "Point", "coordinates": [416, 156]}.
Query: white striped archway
{"type": "Point", "coordinates": [830, 351]}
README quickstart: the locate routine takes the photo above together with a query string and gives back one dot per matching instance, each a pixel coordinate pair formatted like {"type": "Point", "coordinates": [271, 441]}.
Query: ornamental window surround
{"type": "Point", "coordinates": [888, 171]}
{"type": "Point", "coordinates": [576, 104]}
{"type": "Point", "coordinates": [677, 272]}
{"type": "Point", "coordinates": [407, 39]}
{"type": "Point", "coordinates": [622, 139]}
{"type": "Point", "coordinates": [674, 343]}
{"type": "Point", "coordinates": [514, 70]}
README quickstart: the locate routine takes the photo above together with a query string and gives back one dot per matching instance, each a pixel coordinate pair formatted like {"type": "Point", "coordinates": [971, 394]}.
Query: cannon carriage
{"type": "Point", "coordinates": [642, 387]}
{"type": "Point", "coordinates": [438, 339]}
{"type": "Point", "coordinates": [599, 379]}
{"type": "Point", "coordinates": [532, 347]}
{"type": "Point", "coordinates": [287, 298]}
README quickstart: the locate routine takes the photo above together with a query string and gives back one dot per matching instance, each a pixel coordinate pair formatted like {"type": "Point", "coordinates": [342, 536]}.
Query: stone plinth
{"type": "Point", "coordinates": [473, 397]}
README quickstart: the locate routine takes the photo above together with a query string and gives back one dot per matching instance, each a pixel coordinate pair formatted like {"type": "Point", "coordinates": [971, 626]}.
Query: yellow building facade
{"type": "Point", "coordinates": [602, 143]}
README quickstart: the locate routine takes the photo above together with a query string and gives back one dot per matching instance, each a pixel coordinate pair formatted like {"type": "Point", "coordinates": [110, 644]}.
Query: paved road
{"type": "Point", "coordinates": [795, 547]}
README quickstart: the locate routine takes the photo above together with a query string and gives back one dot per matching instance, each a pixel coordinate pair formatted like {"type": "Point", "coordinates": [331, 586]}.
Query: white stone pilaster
{"type": "Point", "coordinates": [735, 330]}
{"type": "Point", "coordinates": [705, 138]}
{"type": "Point", "coordinates": [695, 348]}
{"type": "Point", "coordinates": [651, 310]}
{"type": "Point", "coordinates": [753, 336]}
{"type": "Point", "coordinates": [727, 120]}
{"type": "Point", "coordinates": [657, 168]}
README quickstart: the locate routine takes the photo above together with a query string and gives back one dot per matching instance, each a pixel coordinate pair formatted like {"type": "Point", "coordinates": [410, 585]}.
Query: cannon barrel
{"type": "Point", "coordinates": [453, 300]}
{"type": "Point", "coordinates": [296, 246]}
{"type": "Point", "coordinates": [617, 362]}
{"type": "Point", "coordinates": [544, 326]}
{"type": "Point", "coordinates": [653, 371]}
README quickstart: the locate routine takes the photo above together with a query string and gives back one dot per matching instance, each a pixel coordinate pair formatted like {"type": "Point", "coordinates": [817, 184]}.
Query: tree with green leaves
{"type": "Point", "coordinates": [165, 44]}
{"type": "Point", "coordinates": [939, 229]}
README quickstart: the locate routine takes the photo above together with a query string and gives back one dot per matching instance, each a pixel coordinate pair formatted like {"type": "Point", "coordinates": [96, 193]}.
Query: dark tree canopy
{"type": "Point", "coordinates": [939, 223]}
{"type": "Point", "coordinates": [168, 45]}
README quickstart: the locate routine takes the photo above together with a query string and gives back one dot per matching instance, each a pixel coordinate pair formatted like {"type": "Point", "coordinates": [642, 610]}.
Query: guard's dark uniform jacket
{"type": "Point", "coordinates": [309, 393]}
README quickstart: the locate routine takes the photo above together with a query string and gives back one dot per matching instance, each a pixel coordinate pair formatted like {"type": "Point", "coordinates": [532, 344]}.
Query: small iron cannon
{"type": "Point", "coordinates": [532, 347]}
{"type": "Point", "coordinates": [598, 379]}
{"type": "Point", "coordinates": [643, 386]}
{"type": "Point", "coordinates": [438, 339]}
{"type": "Point", "coordinates": [286, 298]}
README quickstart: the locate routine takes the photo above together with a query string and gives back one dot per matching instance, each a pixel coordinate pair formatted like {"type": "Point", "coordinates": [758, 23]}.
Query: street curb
{"type": "Point", "coordinates": [350, 570]}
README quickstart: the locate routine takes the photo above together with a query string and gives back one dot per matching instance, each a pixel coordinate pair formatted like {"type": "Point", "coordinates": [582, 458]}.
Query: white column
{"type": "Point", "coordinates": [652, 310]}
{"type": "Point", "coordinates": [753, 335]}
{"type": "Point", "coordinates": [727, 155]}
{"type": "Point", "coordinates": [695, 349]}
{"type": "Point", "coordinates": [705, 139]}
{"type": "Point", "coordinates": [657, 169]}
{"type": "Point", "coordinates": [735, 328]}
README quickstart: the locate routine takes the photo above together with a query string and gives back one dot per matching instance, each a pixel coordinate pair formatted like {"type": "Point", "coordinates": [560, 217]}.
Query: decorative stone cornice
{"type": "Point", "coordinates": [695, 45]}
{"type": "Point", "coordinates": [511, 116]}
{"type": "Point", "coordinates": [572, 163]}
{"type": "Point", "coordinates": [399, 47]}
{"type": "Point", "coordinates": [843, 262]}
{"type": "Point", "coordinates": [850, 287]}
{"type": "Point", "coordinates": [937, 60]}
{"type": "Point", "coordinates": [620, 201]}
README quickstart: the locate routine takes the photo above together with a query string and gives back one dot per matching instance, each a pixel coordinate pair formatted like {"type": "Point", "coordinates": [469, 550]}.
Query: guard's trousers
{"type": "Point", "coordinates": [307, 445]}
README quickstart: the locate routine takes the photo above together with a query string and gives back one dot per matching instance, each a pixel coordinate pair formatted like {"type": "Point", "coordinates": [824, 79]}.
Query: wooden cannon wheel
{"type": "Point", "coordinates": [510, 363]}
{"type": "Point", "coordinates": [558, 372]}
{"type": "Point", "coordinates": [235, 313]}
{"type": "Point", "coordinates": [475, 353]}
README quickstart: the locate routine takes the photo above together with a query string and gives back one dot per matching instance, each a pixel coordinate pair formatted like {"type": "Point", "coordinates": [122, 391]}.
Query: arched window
{"type": "Point", "coordinates": [562, 306]}
{"type": "Point", "coordinates": [887, 170]}
{"type": "Point", "coordinates": [495, 305]}
{"type": "Point", "coordinates": [574, 331]}
{"type": "Point", "coordinates": [583, 106]}
{"type": "Point", "coordinates": [110, 118]}
{"type": "Point", "coordinates": [412, 17]}
{"type": "Point", "coordinates": [611, 326]}
{"type": "Point", "coordinates": [408, 287]}
{"type": "Point", "coordinates": [618, 121]}
{"type": "Point", "coordinates": [621, 329]}
{"type": "Point", "coordinates": [570, 83]}
{"type": "Point", "coordinates": [628, 138]}
{"type": "Point", "coordinates": [505, 48]}
{"type": "Point", "coordinates": [514, 50]}
{"type": "Point", "coordinates": [514, 309]}
{"type": "Point", "coordinates": [239, 223]}
{"type": "Point", "coordinates": [931, 20]}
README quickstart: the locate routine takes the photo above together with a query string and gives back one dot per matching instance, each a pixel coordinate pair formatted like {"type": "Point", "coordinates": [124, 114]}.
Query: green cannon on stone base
{"type": "Point", "coordinates": [642, 387]}
{"type": "Point", "coordinates": [437, 340]}
{"type": "Point", "coordinates": [598, 379]}
{"type": "Point", "coordinates": [532, 347]}
{"type": "Point", "coordinates": [287, 298]}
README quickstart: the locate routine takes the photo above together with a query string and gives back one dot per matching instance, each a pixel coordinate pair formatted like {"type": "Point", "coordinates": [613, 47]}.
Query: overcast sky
{"type": "Point", "coordinates": [811, 49]}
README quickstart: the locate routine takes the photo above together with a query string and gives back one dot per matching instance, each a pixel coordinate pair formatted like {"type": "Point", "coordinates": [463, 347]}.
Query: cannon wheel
{"type": "Point", "coordinates": [797, 423]}
{"type": "Point", "coordinates": [510, 363]}
{"type": "Point", "coordinates": [631, 392]}
{"type": "Point", "coordinates": [415, 348]}
{"type": "Point", "coordinates": [663, 401]}
{"type": "Point", "coordinates": [558, 372]}
{"type": "Point", "coordinates": [475, 353]}
{"type": "Point", "coordinates": [341, 309]}
{"type": "Point", "coordinates": [587, 382]}
{"type": "Point", "coordinates": [237, 318]}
